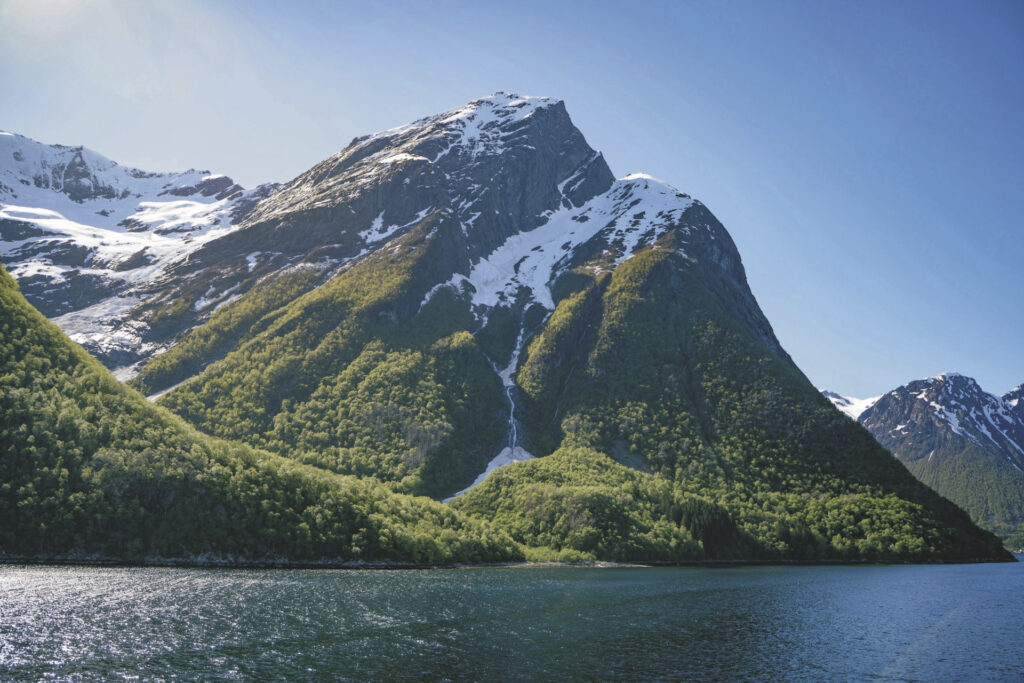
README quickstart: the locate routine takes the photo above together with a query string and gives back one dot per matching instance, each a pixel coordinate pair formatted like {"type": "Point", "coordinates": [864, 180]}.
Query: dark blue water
{"type": "Point", "coordinates": [960, 622]}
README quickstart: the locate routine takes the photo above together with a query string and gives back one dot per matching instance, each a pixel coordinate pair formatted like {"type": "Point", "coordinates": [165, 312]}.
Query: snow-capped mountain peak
{"type": "Point", "coordinates": [453, 159]}
{"type": "Point", "coordinates": [511, 185]}
{"type": "Point", "coordinates": [479, 123]}
{"type": "Point", "coordinates": [79, 231]}
{"type": "Point", "coordinates": [952, 402]}
{"type": "Point", "coordinates": [962, 441]}
{"type": "Point", "coordinates": [31, 170]}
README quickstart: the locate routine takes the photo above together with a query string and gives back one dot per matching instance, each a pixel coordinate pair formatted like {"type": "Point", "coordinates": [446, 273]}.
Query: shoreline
{"type": "Point", "coordinates": [237, 564]}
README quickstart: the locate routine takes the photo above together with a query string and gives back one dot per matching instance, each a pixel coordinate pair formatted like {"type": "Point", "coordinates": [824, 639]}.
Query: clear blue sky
{"type": "Point", "coordinates": [867, 157]}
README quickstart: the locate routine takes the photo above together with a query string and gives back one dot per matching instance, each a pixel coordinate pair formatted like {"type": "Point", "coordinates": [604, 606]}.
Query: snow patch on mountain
{"type": "Point", "coordinates": [102, 327]}
{"type": "Point", "coordinates": [378, 232]}
{"type": "Point", "coordinates": [479, 125]}
{"type": "Point", "coordinates": [170, 230]}
{"type": "Point", "coordinates": [122, 223]}
{"type": "Point", "coordinates": [1013, 398]}
{"type": "Point", "coordinates": [853, 407]}
{"type": "Point", "coordinates": [86, 236]}
{"type": "Point", "coordinates": [958, 403]}
{"type": "Point", "coordinates": [634, 212]}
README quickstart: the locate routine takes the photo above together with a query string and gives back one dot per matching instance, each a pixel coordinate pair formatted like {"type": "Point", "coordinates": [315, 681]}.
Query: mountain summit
{"type": "Point", "coordinates": [472, 307]}
{"type": "Point", "coordinates": [962, 441]}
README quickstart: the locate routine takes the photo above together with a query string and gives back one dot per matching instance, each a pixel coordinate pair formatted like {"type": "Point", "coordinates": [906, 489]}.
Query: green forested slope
{"type": "Point", "coordinates": [227, 327]}
{"type": "Point", "coordinates": [644, 365]}
{"type": "Point", "coordinates": [991, 492]}
{"type": "Point", "coordinates": [578, 503]}
{"type": "Point", "coordinates": [741, 457]}
{"type": "Point", "coordinates": [89, 467]}
{"type": "Point", "coordinates": [358, 378]}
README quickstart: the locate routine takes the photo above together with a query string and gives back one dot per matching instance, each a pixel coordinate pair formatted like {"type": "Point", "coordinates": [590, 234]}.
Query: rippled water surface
{"type": "Point", "coordinates": [905, 622]}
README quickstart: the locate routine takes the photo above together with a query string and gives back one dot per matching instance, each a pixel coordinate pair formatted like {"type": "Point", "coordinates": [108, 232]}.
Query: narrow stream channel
{"type": "Point", "coordinates": [512, 452]}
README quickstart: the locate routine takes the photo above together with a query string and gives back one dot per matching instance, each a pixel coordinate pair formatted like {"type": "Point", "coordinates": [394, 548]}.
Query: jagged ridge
{"type": "Point", "coordinates": [88, 239]}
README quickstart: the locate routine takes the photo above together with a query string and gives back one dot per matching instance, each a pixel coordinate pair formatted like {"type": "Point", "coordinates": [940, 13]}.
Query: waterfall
{"type": "Point", "coordinates": [508, 382]}
{"type": "Point", "coordinates": [512, 452]}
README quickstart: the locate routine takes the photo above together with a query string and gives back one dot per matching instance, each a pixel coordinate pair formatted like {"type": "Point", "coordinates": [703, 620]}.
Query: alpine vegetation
{"type": "Point", "coordinates": [473, 308]}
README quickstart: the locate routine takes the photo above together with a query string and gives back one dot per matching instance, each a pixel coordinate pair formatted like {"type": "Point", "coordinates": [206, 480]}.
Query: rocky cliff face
{"type": "Point", "coordinates": [497, 164]}
{"type": "Point", "coordinates": [497, 167]}
{"type": "Point", "coordinates": [516, 197]}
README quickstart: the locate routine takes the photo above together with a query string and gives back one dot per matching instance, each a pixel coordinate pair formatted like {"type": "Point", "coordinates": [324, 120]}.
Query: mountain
{"type": "Point", "coordinates": [90, 469]}
{"type": "Point", "coordinates": [89, 240]}
{"type": "Point", "coordinates": [1014, 400]}
{"type": "Point", "coordinates": [850, 406]}
{"type": "Point", "coordinates": [962, 441]}
{"type": "Point", "coordinates": [495, 320]}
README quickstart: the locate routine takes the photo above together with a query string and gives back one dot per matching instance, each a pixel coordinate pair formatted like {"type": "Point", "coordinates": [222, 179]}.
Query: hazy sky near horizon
{"type": "Point", "coordinates": [867, 157]}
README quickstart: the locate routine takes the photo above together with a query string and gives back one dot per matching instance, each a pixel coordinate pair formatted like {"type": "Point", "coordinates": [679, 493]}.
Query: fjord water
{"type": "Point", "coordinates": [887, 622]}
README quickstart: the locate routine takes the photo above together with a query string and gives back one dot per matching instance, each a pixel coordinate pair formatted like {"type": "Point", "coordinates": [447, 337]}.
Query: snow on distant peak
{"type": "Point", "coordinates": [853, 407]}
{"type": "Point", "coordinates": [949, 375]}
{"type": "Point", "coordinates": [69, 216]}
{"type": "Point", "coordinates": [643, 176]}
{"type": "Point", "coordinates": [987, 420]}
{"type": "Point", "coordinates": [32, 170]}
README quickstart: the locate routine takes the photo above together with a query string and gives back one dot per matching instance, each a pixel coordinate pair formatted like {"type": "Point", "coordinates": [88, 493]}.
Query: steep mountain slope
{"type": "Point", "coordinates": [494, 164]}
{"type": "Point", "coordinates": [962, 441]}
{"type": "Point", "coordinates": [88, 468]}
{"type": "Point", "coordinates": [89, 240]}
{"type": "Point", "coordinates": [499, 296]}
{"type": "Point", "coordinates": [1014, 400]}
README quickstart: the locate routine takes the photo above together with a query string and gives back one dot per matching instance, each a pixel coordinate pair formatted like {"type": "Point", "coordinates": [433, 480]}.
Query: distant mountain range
{"type": "Point", "coordinates": [470, 307]}
{"type": "Point", "coordinates": [962, 441]}
{"type": "Point", "coordinates": [90, 241]}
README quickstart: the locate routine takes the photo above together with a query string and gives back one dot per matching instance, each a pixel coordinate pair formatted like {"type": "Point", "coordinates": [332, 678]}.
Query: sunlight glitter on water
{"type": "Point", "coordinates": [919, 622]}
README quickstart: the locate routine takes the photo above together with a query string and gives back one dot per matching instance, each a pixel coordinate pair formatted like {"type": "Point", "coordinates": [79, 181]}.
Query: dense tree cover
{"type": "Point", "coordinates": [388, 412]}
{"type": "Point", "coordinates": [361, 376]}
{"type": "Point", "coordinates": [579, 504]}
{"type": "Point", "coordinates": [645, 366]}
{"type": "Point", "coordinates": [990, 491]}
{"type": "Point", "coordinates": [227, 327]}
{"type": "Point", "coordinates": [89, 467]}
